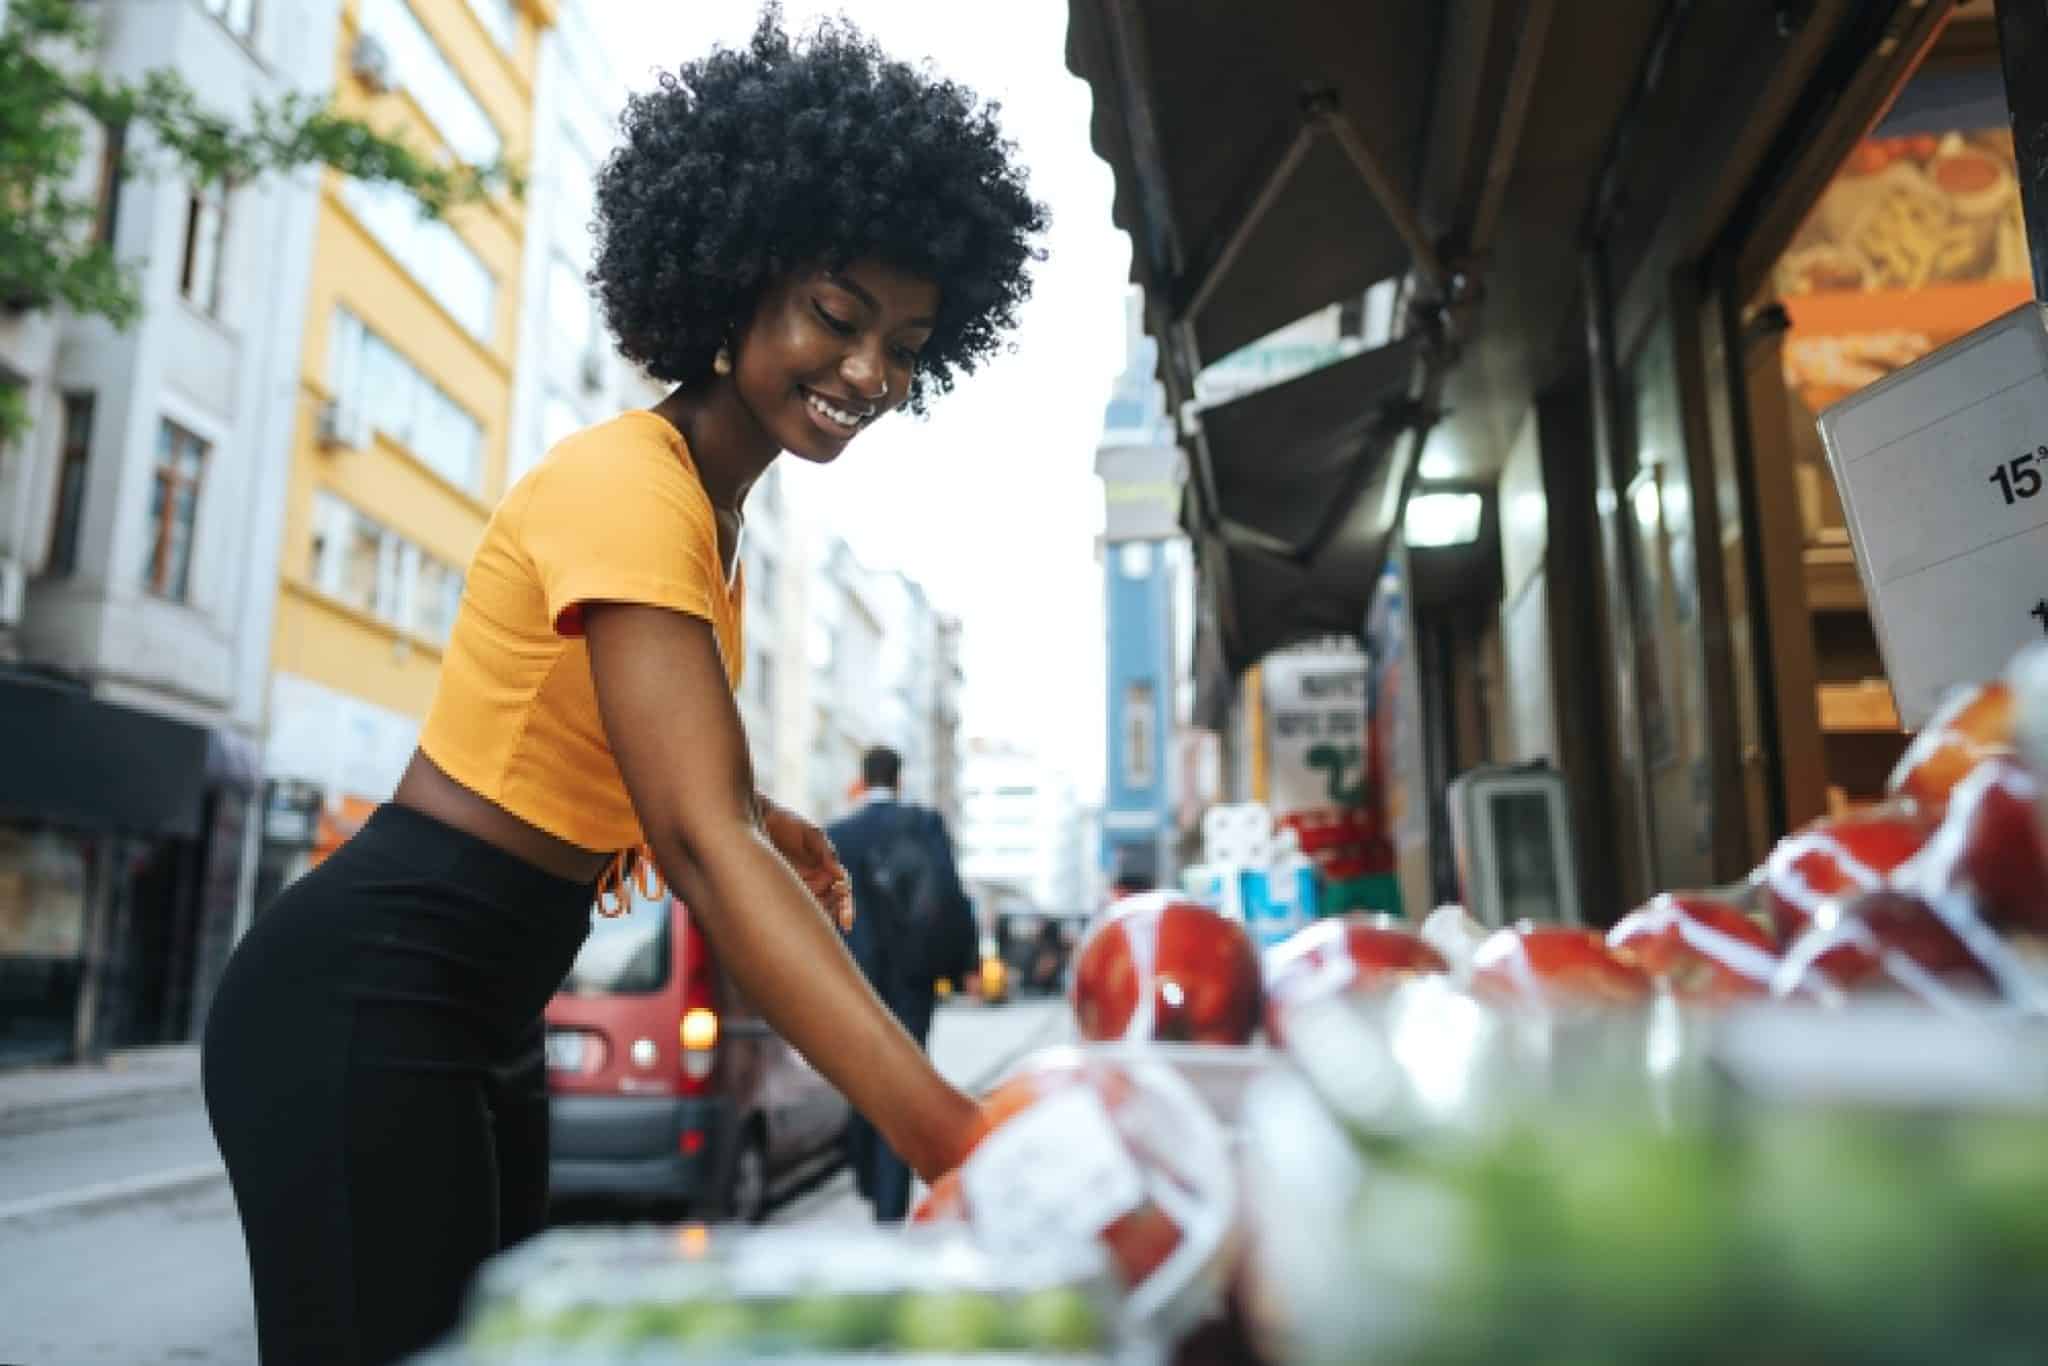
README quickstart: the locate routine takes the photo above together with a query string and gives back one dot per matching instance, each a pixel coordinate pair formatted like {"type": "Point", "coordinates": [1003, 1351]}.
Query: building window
{"type": "Point", "coordinates": [1134, 558]}
{"type": "Point", "coordinates": [430, 251]}
{"type": "Point", "coordinates": [1140, 735]}
{"type": "Point", "coordinates": [373, 569]}
{"type": "Point", "coordinates": [569, 314]}
{"type": "Point", "coordinates": [500, 19]}
{"type": "Point", "coordinates": [107, 195]}
{"type": "Point", "coordinates": [206, 220]}
{"type": "Point", "coordinates": [71, 470]}
{"type": "Point", "coordinates": [239, 16]}
{"type": "Point", "coordinates": [368, 374]}
{"type": "Point", "coordinates": [173, 508]}
{"type": "Point", "coordinates": [559, 420]}
{"type": "Point", "coordinates": [575, 196]}
{"type": "Point", "coordinates": [435, 85]}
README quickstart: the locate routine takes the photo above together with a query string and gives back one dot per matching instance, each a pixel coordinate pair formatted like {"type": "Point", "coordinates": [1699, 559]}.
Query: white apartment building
{"type": "Point", "coordinates": [909, 683]}
{"type": "Point", "coordinates": [570, 377]}
{"type": "Point", "coordinates": [845, 629]}
{"type": "Point", "coordinates": [139, 530]}
{"type": "Point", "coordinates": [947, 682]}
{"type": "Point", "coordinates": [1022, 837]}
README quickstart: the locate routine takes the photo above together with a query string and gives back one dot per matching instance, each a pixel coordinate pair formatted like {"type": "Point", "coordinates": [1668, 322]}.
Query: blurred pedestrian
{"type": "Point", "coordinates": [912, 925]}
{"type": "Point", "coordinates": [800, 236]}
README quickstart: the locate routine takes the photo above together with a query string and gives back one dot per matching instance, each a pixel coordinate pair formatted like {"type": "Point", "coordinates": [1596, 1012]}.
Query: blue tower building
{"type": "Point", "coordinates": [1145, 566]}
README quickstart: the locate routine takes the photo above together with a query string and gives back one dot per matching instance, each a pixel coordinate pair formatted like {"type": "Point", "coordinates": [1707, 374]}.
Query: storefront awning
{"type": "Point", "coordinates": [1247, 140]}
{"type": "Point", "coordinates": [69, 760]}
{"type": "Point", "coordinates": [1268, 162]}
{"type": "Point", "coordinates": [1290, 459]}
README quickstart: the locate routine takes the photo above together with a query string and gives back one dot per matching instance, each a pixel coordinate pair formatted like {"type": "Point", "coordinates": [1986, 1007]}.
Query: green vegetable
{"type": "Point", "coordinates": [1056, 1321]}
{"type": "Point", "coordinates": [949, 1321]}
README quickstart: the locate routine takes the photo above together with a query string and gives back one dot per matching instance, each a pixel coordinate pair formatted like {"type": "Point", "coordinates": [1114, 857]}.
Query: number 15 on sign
{"type": "Point", "coordinates": [2019, 478]}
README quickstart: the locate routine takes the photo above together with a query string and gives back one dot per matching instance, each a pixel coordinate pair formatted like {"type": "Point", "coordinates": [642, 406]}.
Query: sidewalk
{"type": "Point", "coordinates": [38, 1098]}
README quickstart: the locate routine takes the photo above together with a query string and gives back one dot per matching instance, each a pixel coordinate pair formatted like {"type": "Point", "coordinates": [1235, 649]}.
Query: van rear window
{"type": "Point", "coordinates": [626, 955]}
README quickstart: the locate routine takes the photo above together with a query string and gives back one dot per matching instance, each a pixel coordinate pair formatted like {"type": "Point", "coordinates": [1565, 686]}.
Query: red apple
{"type": "Point", "coordinates": [1834, 859]}
{"type": "Point", "coordinates": [1705, 950]}
{"type": "Point", "coordinates": [1972, 725]}
{"type": "Point", "coordinates": [1990, 848]}
{"type": "Point", "coordinates": [1160, 967]}
{"type": "Point", "coordinates": [1883, 939]}
{"type": "Point", "coordinates": [1544, 963]}
{"type": "Point", "coordinates": [1345, 953]}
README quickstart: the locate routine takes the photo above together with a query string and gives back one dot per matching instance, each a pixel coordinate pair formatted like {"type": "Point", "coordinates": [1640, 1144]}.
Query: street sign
{"type": "Point", "coordinates": [1943, 471]}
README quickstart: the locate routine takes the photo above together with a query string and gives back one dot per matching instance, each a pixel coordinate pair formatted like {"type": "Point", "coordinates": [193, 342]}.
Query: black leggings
{"type": "Point", "coordinates": [374, 1076]}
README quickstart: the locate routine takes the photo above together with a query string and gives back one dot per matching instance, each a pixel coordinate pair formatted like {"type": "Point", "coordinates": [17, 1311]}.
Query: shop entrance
{"type": "Point", "coordinates": [1913, 239]}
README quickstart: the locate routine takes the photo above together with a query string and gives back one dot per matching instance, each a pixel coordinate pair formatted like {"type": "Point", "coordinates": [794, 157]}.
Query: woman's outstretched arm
{"type": "Point", "coordinates": [669, 715]}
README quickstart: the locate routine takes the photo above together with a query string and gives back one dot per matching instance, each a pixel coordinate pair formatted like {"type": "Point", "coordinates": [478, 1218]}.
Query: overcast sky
{"type": "Point", "coordinates": [991, 501]}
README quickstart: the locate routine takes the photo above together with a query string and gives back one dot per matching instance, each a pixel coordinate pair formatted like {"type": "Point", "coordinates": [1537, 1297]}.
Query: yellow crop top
{"type": "Point", "coordinates": [615, 513]}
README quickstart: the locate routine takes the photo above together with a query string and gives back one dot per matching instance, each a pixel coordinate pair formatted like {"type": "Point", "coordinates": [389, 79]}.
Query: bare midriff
{"type": "Point", "coordinates": [429, 791]}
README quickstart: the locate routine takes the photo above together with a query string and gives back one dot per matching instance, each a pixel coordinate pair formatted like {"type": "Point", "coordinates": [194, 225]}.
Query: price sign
{"type": "Point", "coordinates": [1943, 472]}
{"type": "Point", "coordinates": [1057, 1173]}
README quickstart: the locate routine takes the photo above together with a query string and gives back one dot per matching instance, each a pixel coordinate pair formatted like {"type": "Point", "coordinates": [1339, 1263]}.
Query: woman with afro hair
{"type": "Point", "coordinates": [799, 237]}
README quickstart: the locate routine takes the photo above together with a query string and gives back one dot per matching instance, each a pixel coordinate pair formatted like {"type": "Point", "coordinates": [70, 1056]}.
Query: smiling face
{"type": "Point", "coordinates": [829, 351]}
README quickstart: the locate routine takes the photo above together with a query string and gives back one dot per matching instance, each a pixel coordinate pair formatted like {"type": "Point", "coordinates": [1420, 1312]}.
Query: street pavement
{"type": "Point", "coordinates": [118, 1238]}
{"type": "Point", "coordinates": [973, 1046]}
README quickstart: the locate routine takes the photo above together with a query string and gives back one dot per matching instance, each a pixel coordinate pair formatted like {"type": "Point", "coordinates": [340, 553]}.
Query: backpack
{"type": "Point", "coordinates": [928, 926]}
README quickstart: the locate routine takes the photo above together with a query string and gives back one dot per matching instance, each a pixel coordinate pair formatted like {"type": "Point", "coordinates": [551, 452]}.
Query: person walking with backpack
{"type": "Point", "coordinates": [912, 925]}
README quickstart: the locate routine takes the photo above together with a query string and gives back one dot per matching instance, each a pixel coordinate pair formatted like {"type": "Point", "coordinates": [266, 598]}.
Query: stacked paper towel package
{"type": "Point", "coordinates": [1254, 872]}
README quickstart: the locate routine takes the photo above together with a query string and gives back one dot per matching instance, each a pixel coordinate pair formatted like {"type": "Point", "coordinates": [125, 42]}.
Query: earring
{"type": "Point", "coordinates": [721, 364]}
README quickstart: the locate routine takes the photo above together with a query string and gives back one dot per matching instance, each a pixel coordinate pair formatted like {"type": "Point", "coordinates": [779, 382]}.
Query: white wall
{"type": "Point", "coordinates": [1021, 827]}
{"type": "Point", "coordinates": [230, 378]}
{"type": "Point", "coordinates": [577, 98]}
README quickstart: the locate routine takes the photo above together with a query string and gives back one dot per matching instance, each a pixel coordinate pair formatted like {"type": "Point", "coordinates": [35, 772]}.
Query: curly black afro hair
{"type": "Point", "coordinates": [747, 164]}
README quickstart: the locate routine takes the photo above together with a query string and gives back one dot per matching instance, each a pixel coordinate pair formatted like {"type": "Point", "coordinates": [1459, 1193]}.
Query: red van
{"type": "Point", "coordinates": [664, 1086]}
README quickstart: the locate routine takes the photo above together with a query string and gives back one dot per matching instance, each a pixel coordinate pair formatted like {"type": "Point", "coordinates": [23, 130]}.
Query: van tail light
{"type": "Point", "coordinates": [700, 1026]}
{"type": "Point", "coordinates": [700, 1037]}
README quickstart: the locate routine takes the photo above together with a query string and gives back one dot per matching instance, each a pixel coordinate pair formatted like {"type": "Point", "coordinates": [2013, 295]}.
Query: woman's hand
{"type": "Point", "coordinates": [812, 856]}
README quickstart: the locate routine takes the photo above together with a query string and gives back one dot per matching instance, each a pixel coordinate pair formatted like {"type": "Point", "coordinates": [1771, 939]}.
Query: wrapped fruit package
{"type": "Point", "coordinates": [1540, 964]}
{"type": "Point", "coordinates": [1705, 948]}
{"type": "Point", "coordinates": [1159, 966]}
{"type": "Point", "coordinates": [1860, 1185]}
{"type": "Point", "coordinates": [1122, 1156]}
{"type": "Point", "coordinates": [1346, 953]}
{"type": "Point", "coordinates": [655, 1295]}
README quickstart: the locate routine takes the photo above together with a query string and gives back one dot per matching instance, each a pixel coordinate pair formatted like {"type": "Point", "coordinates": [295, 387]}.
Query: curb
{"type": "Point", "coordinates": [39, 1117]}
{"type": "Point", "coordinates": [155, 1185]}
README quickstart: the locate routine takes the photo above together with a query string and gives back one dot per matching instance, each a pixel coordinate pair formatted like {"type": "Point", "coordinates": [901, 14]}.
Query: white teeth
{"type": "Point", "coordinates": [839, 415]}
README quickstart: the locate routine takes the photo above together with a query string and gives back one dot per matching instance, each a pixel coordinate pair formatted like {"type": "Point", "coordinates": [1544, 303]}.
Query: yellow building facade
{"type": "Point", "coordinates": [405, 387]}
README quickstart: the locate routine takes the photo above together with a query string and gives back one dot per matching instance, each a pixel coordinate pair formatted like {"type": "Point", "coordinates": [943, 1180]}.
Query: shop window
{"type": "Point", "coordinates": [173, 509]}
{"type": "Point", "coordinates": [71, 472]}
{"type": "Point", "coordinates": [368, 374]}
{"type": "Point", "coordinates": [42, 894]}
{"type": "Point", "coordinates": [199, 275]}
{"type": "Point", "coordinates": [1918, 239]}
